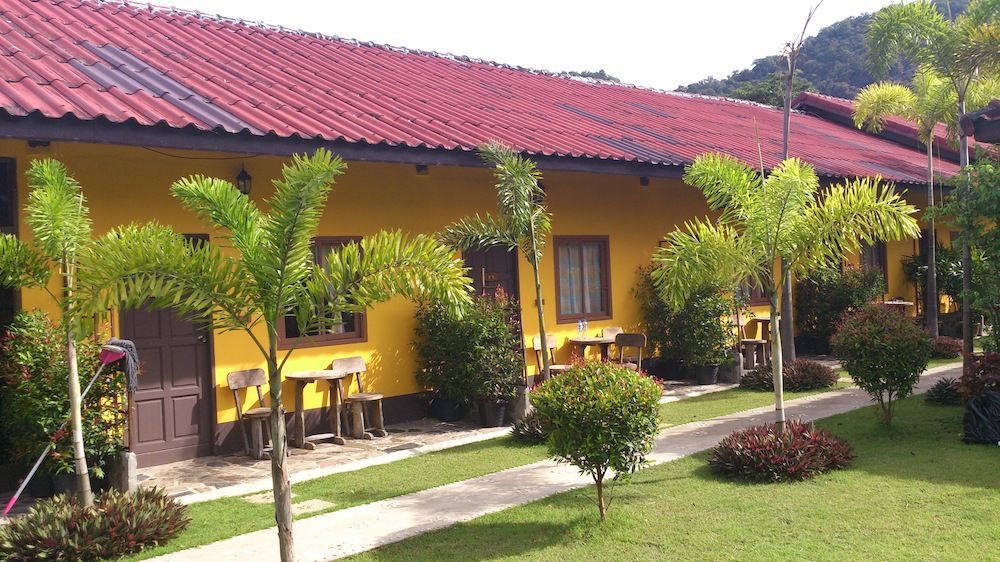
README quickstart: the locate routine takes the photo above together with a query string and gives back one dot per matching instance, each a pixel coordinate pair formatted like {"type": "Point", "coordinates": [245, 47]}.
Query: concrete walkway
{"type": "Point", "coordinates": [364, 527]}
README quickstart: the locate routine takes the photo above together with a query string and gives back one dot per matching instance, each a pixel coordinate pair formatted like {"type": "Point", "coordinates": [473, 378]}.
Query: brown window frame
{"type": "Point", "coordinates": [605, 246]}
{"type": "Point", "coordinates": [757, 295]}
{"type": "Point", "coordinates": [883, 248]}
{"type": "Point", "coordinates": [358, 335]}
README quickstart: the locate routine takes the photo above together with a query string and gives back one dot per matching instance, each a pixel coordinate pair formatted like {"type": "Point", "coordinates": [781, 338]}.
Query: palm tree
{"type": "Point", "coordinates": [930, 101]}
{"type": "Point", "coordinates": [782, 219]}
{"type": "Point", "coordinates": [58, 217]}
{"type": "Point", "coordinates": [271, 275]}
{"type": "Point", "coordinates": [523, 222]}
{"type": "Point", "coordinates": [957, 50]}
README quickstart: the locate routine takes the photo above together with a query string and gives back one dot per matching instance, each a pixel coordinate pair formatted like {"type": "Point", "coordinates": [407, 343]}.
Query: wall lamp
{"type": "Point", "coordinates": [243, 181]}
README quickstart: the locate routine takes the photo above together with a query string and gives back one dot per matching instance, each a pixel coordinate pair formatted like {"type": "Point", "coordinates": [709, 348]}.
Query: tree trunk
{"type": "Point", "coordinates": [931, 299]}
{"type": "Point", "coordinates": [601, 506]}
{"type": "Point", "coordinates": [963, 160]}
{"type": "Point", "coordinates": [83, 492]}
{"type": "Point", "coordinates": [787, 327]}
{"type": "Point", "coordinates": [776, 363]}
{"type": "Point", "coordinates": [279, 473]}
{"type": "Point", "coordinates": [542, 336]}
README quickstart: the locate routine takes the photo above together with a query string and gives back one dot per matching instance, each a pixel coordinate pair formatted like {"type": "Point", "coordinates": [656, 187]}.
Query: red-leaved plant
{"type": "Point", "coordinates": [761, 454]}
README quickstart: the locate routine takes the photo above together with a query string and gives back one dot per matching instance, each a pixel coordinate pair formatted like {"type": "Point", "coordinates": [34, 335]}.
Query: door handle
{"type": "Point", "coordinates": [202, 339]}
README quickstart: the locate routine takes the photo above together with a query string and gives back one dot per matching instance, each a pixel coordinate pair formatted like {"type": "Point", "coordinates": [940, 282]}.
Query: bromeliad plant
{"type": "Point", "coordinates": [781, 218]}
{"type": "Point", "coordinates": [271, 275]}
{"type": "Point", "coordinates": [523, 222]}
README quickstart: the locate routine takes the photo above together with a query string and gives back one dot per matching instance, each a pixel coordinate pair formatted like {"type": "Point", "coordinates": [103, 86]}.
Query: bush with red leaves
{"type": "Point", "coordinates": [760, 454]}
{"type": "Point", "coordinates": [944, 347]}
{"type": "Point", "coordinates": [980, 375]}
{"type": "Point", "coordinates": [801, 374]}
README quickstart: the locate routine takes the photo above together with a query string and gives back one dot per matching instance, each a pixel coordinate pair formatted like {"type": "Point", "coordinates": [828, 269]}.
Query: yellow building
{"type": "Point", "coordinates": [132, 99]}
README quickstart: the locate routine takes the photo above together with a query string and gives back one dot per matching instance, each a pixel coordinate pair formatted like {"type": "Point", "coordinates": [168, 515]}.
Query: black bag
{"type": "Point", "coordinates": [982, 419]}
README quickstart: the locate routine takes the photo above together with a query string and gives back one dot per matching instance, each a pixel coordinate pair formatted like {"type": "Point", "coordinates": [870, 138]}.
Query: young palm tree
{"type": "Point", "coordinates": [781, 220]}
{"type": "Point", "coordinates": [523, 221]}
{"type": "Point", "coordinates": [58, 217]}
{"type": "Point", "coordinates": [957, 50]}
{"type": "Point", "coordinates": [270, 276]}
{"type": "Point", "coordinates": [930, 101]}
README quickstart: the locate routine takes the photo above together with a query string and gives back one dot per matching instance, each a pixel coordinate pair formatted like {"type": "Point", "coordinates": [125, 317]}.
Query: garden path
{"type": "Point", "coordinates": [365, 527]}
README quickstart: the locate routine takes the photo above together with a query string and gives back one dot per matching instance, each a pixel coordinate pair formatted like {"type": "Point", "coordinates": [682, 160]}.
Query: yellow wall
{"type": "Point", "coordinates": [129, 184]}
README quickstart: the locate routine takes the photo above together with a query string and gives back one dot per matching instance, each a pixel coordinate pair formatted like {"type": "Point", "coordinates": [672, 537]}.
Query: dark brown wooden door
{"type": "Point", "coordinates": [172, 412]}
{"type": "Point", "coordinates": [491, 269]}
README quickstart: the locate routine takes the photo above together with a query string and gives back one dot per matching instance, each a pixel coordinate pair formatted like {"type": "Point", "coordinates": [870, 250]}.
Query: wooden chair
{"type": "Point", "coordinates": [751, 347]}
{"type": "Point", "coordinates": [626, 341]}
{"type": "Point", "coordinates": [356, 402]}
{"type": "Point", "coordinates": [256, 417]}
{"type": "Point", "coordinates": [554, 368]}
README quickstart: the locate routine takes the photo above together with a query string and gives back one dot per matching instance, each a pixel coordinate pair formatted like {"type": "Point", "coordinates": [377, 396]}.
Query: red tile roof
{"type": "Point", "coordinates": [125, 62]}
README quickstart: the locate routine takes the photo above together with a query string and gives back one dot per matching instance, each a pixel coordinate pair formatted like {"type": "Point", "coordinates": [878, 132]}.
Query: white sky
{"type": "Point", "coordinates": [658, 44]}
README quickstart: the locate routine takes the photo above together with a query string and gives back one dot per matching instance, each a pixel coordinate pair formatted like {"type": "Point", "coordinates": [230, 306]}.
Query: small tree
{"type": "Point", "coordinates": [272, 276]}
{"type": "Point", "coordinates": [60, 221]}
{"type": "Point", "coordinates": [782, 219]}
{"type": "Point", "coordinates": [601, 417]}
{"type": "Point", "coordinates": [523, 221]}
{"type": "Point", "coordinates": [884, 352]}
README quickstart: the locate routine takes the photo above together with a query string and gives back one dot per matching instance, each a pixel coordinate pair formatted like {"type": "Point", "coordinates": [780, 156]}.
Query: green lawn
{"type": "Point", "coordinates": [224, 518]}
{"type": "Point", "coordinates": [915, 492]}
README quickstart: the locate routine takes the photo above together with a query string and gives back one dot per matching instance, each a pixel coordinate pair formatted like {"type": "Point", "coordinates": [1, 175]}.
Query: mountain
{"type": "Point", "coordinates": [833, 62]}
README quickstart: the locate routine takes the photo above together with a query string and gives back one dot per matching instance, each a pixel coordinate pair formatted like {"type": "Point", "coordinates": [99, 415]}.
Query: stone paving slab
{"type": "Point", "coordinates": [365, 527]}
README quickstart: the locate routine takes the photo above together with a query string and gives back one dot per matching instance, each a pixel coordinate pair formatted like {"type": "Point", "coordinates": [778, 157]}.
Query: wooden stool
{"type": "Point", "coordinates": [257, 417]}
{"type": "Point", "coordinates": [356, 402]}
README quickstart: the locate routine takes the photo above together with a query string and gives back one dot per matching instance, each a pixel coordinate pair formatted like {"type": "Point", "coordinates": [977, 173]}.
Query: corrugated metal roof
{"type": "Point", "coordinates": [91, 59]}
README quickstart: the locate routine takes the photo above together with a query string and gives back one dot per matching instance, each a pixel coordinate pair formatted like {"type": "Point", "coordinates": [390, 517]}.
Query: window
{"type": "Point", "coordinates": [753, 292]}
{"type": "Point", "coordinates": [8, 225]}
{"type": "Point", "coordinates": [582, 278]}
{"type": "Point", "coordinates": [348, 328]}
{"type": "Point", "coordinates": [874, 257]}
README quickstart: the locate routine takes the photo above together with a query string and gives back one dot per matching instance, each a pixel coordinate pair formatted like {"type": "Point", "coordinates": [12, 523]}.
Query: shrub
{"type": "Point", "coordinates": [701, 332]}
{"type": "Point", "coordinates": [529, 429]}
{"type": "Point", "coordinates": [980, 375]}
{"type": "Point", "coordinates": [826, 296]}
{"type": "Point", "coordinates": [944, 347]}
{"type": "Point", "coordinates": [59, 528]}
{"type": "Point", "coordinates": [801, 374]}
{"type": "Point", "coordinates": [944, 393]}
{"type": "Point", "coordinates": [477, 356]}
{"type": "Point", "coordinates": [949, 272]}
{"type": "Point", "coordinates": [657, 316]}
{"type": "Point", "coordinates": [884, 352]}
{"type": "Point", "coordinates": [600, 417]}
{"type": "Point", "coordinates": [761, 454]}
{"type": "Point", "coordinates": [35, 401]}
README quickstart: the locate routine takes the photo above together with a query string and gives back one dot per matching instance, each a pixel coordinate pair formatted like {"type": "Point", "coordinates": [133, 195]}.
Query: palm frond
{"type": "Point", "coordinates": [389, 264]}
{"type": "Point", "coordinates": [876, 102]}
{"type": "Point", "coordinates": [21, 265]}
{"type": "Point", "coordinates": [477, 232]}
{"type": "Point", "coordinates": [518, 192]}
{"type": "Point", "coordinates": [861, 211]}
{"type": "Point", "coordinates": [728, 184]}
{"type": "Point", "coordinates": [134, 266]}
{"type": "Point", "coordinates": [219, 203]}
{"type": "Point", "coordinates": [296, 207]}
{"type": "Point", "coordinates": [704, 254]}
{"type": "Point", "coordinates": [57, 210]}
{"type": "Point", "coordinates": [777, 208]}
{"type": "Point", "coordinates": [909, 30]}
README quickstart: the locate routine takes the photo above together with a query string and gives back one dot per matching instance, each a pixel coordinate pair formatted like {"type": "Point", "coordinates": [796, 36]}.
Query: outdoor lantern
{"type": "Point", "coordinates": [243, 181]}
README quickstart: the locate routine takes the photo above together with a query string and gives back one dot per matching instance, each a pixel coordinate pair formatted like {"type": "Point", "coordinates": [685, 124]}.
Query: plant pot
{"type": "Point", "coordinates": [669, 369]}
{"type": "Point", "coordinates": [447, 410]}
{"type": "Point", "coordinates": [63, 483]}
{"type": "Point", "coordinates": [706, 374]}
{"type": "Point", "coordinates": [732, 372]}
{"type": "Point", "coordinates": [491, 412]}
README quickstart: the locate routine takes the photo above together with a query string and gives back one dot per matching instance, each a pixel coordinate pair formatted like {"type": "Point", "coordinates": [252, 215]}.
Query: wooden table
{"type": "Point", "coordinates": [586, 341]}
{"type": "Point", "coordinates": [899, 306]}
{"type": "Point", "coordinates": [335, 380]}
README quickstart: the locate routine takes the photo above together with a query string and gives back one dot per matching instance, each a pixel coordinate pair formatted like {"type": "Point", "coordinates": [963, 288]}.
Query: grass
{"type": "Point", "coordinates": [915, 492]}
{"type": "Point", "coordinates": [224, 518]}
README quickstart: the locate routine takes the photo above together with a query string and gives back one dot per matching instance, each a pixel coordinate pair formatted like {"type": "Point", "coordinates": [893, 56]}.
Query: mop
{"type": "Point", "coordinates": [115, 350]}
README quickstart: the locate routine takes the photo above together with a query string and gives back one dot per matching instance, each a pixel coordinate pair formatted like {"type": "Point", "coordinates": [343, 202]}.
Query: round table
{"type": "Point", "coordinates": [583, 342]}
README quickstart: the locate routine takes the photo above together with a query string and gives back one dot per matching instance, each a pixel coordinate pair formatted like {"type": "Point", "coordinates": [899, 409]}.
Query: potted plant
{"type": "Point", "coordinates": [703, 334]}
{"type": "Point", "coordinates": [476, 359]}
{"type": "Point", "coordinates": [657, 322]}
